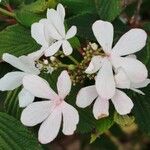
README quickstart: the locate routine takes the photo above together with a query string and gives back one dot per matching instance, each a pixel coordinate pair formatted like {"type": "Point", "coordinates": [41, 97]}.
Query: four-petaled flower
{"type": "Point", "coordinates": [14, 79]}
{"type": "Point", "coordinates": [51, 111]}
{"type": "Point", "coordinates": [131, 42]}
{"type": "Point", "coordinates": [51, 33]}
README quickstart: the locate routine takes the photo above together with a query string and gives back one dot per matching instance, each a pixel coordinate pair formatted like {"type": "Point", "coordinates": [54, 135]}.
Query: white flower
{"type": "Point", "coordinates": [131, 42]}
{"type": "Point", "coordinates": [122, 103]}
{"type": "Point", "coordinates": [14, 79]}
{"type": "Point", "coordinates": [51, 34]}
{"type": "Point", "coordinates": [50, 112]}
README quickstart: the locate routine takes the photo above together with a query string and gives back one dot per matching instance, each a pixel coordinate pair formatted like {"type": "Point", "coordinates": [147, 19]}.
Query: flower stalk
{"type": "Point", "coordinates": [7, 13]}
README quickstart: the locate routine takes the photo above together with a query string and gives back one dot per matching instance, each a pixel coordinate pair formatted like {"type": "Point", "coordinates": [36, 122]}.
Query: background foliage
{"type": "Point", "coordinates": [125, 131]}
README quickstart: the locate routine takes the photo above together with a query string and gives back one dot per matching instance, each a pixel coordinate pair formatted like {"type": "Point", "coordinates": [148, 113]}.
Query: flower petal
{"type": "Point", "coordinates": [121, 79]}
{"type": "Point", "coordinates": [53, 48]}
{"type": "Point", "coordinates": [141, 84]}
{"type": "Point", "coordinates": [67, 49]}
{"type": "Point", "coordinates": [50, 127]}
{"type": "Point", "coordinates": [55, 19]}
{"type": "Point", "coordinates": [123, 104]}
{"type": "Point", "coordinates": [25, 98]}
{"type": "Point", "coordinates": [105, 84]}
{"type": "Point", "coordinates": [103, 32]}
{"type": "Point", "coordinates": [71, 32]}
{"type": "Point", "coordinates": [11, 80]}
{"type": "Point", "coordinates": [135, 70]}
{"type": "Point", "coordinates": [101, 108]}
{"type": "Point", "coordinates": [36, 112]}
{"type": "Point", "coordinates": [37, 32]}
{"type": "Point", "coordinates": [131, 42]}
{"type": "Point", "coordinates": [70, 119]}
{"type": "Point", "coordinates": [86, 96]}
{"type": "Point", "coordinates": [137, 91]}
{"type": "Point", "coordinates": [61, 11]}
{"type": "Point", "coordinates": [95, 65]}
{"type": "Point", "coordinates": [64, 84]}
{"type": "Point", "coordinates": [38, 87]}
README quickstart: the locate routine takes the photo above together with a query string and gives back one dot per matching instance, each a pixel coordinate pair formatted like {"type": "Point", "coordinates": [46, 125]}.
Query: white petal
{"type": "Point", "coordinates": [61, 11]}
{"type": "Point", "coordinates": [101, 108]}
{"type": "Point", "coordinates": [67, 49]}
{"type": "Point", "coordinates": [70, 119]}
{"type": "Point", "coordinates": [123, 104]}
{"type": "Point", "coordinates": [141, 84]}
{"type": "Point", "coordinates": [138, 91]}
{"type": "Point", "coordinates": [135, 70]}
{"type": "Point", "coordinates": [131, 42]}
{"type": "Point", "coordinates": [53, 48]}
{"type": "Point", "coordinates": [50, 127]}
{"type": "Point", "coordinates": [105, 84]}
{"type": "Point", "coordinates": [55, 19]}
{"type": "Point", "coordinates": [25, 98]}
{"type": "Point", "coordinates": [103, 32]}
{"type": "Point", "coordinates": [36, 112]}
{"type": "Point", "coordinates": [94, 65]}
{"type": "Point", "coordinates": [121, 79]}
{"type": "Point", "coordinates": [71, 32]}
{"type": "Point", "coordinates": [11, 80]}
{"type": "Point", "coordinates": [86, 96]}
{"type": "Point", "coordinates": [23, 63]}
{"type": "Point", "coordinates": [37, 32]}
{"type": "Point", "coordinates": [38, 87]}
{"type": "Point", "coordinates": [36, 55]}
{"type": "Point", "coordinates": [64, 84]}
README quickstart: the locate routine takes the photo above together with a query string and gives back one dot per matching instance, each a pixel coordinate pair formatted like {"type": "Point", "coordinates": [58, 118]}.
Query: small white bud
{"type": "Point", "coordinates": [52, 58]}
{"type": "Point", "coordinates": [94, 46]}
{"type": "Point", "coordinates": [45, 61]}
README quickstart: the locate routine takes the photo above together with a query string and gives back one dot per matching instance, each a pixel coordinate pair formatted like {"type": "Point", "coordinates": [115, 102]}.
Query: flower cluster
{"type": "Point", "coordinates": [112, 69]}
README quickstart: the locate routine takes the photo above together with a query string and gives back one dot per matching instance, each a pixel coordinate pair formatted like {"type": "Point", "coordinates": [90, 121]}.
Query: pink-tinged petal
{"type": "Point", "coordinates": [101, 108]}
{"type": "Point", "coordinates": [25, 98]}
{"type": "Point", "coordinates": [123, 104]}
{"type": "Point", "coordinates": [135, 70]}
{"type": "Point", "coordinates": [61, 11]}
{"type": "Point", "coordinates": [39, 87]}
{"type": "Point", "coordinates": [95, 65]}
{"type": "Point", "coordinates": [36, 112]}
{"type": "Point", "coordinates": [137, 91]}
{"type": "Point", "coordinates": [11, 80]}
{"type": "Point", "coordinates": [105, 84]}
{"type": "Point", "coordinates": [131, 42]}
{"type": "Point", "coordinates": [71, 32]}
{"type": "Point", "coordinates": [53, 48]}
{"type": "Point", "coordinates": [141, 84]}
{"type": "Point", "coordinates": [86, 96]}
{"type": "Point", "coordinates": [37, 32]}
{"type": "Point", "coordinates": [67, 48]}
{"type": "Point", "coordinates": [121, 79]}
{"type": "Point", "coordinates": [50, 127]}
{"type": "Point", "coordinates": [64, 84]}
{"type": "Point", "coordinates": [103, 32]}
{"type": "Point", "coordinates": [56, 21]}
{"type": "Point", "coordinates": [70, 119]}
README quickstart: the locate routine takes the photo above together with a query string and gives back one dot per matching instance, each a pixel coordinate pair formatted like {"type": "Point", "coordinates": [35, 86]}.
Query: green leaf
{"type": "Point", "coordinates": [141, 110]}
{"type": "Point", "coordinates": [108, 9]}
{"type": "Point", "coordinates": [17, 40]}
{"type": "Point", "coordinates": [14, 136]}
{"type": "Point", "coordinates": [79, 6]}
{"type": "Point", "coordinates": [84, 24]}
{"type": "Point", "coordinates": [11, 103]}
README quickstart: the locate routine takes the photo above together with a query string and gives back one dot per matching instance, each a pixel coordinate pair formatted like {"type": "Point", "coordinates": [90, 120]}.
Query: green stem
{"type": "Point", "coordinates": [63, 65]}
{"type": "Point", "coordinates": [73, 59]}
{"type": "Point", "coordinates": [7, 13]}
